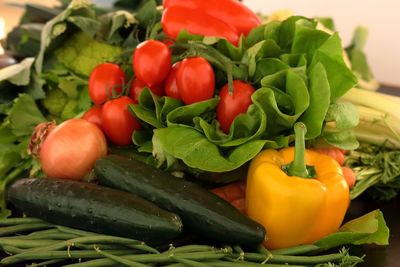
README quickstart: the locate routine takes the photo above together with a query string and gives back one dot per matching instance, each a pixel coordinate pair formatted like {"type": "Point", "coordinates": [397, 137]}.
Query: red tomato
{"type": "Point", "coordinates": [151, 62]}
{"type": "Point", "coordinates": [93, 115]}
{"type": "Point", "coordinates": [118, 122]}
{"type": "Point", "coordinates": [104, 79]}
{"type": "Point", "coordinates": [138, 86]}
{"type": "Point", "coordinates": [231, 105]}
{"type": "Point", "coordinates": [195, 79]}
{"type": "Point", "coordinates": [171, 87]}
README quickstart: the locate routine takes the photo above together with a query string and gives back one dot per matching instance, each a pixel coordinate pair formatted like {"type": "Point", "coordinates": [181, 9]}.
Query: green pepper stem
{"type": "Point", "coordinates": [298, 166]}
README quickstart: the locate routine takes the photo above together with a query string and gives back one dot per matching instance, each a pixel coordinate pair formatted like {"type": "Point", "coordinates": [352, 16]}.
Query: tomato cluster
{"type": "Point", "coordinates": [191, 80]}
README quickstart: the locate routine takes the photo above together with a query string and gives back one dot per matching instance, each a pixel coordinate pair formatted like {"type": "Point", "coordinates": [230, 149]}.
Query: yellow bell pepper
{"type": "Point", "coordinates": [300, 201]}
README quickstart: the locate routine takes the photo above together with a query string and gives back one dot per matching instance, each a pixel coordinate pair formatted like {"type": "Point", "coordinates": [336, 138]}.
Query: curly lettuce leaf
{"type": "Point", "coordinates": [196, 151]}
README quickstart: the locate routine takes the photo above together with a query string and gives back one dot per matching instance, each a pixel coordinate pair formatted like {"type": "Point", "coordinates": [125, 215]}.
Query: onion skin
{"type": "Point", "coordinates": [71, 149]}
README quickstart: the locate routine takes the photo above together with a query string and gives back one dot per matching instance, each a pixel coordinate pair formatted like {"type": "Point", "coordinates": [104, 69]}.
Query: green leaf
{"type": "Point", "coordinates": [89, 26]}
{"type": "Point", "coordinates": [186, 114]}
{"type": "Point", "coordinates": [319, 91]}
{"type": "Point", "coordinates": [290, 86]}
{"type": "Point", "coordinates": [196, 151]}
{"type": "Point", "coordinates": [341, 78]}
{"type": "Point", "coordinates": [344, 139]}
{"type": "Point", "coordinates": [370, 228]}
{"type": "Point", "coordinates": [24, 116]}
{"type": "Point", "coordinates": [344, 114]}
{"type": "Point", "coordinates": [120, 20]}
{"type": "Point", "coordinates": [18, 74]}
{"type": "Point", "coordinates": [147, 13]}
{"type": "Point", "coordinates": [245, 127]}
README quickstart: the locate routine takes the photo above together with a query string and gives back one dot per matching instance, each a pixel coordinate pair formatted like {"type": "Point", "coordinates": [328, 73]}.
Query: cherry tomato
{"type": "Point", "coordinates": [93, 115]}
{"type": "Point", "coordinates": [105, 79]}
{"type": "Point", "coordinates": [151, 62]}
{"type": "Point", "coordinates": [138, 86]}
{"type": "Point", "coordinates": [195, 79]}
{"type": "Point", "coordinates": [118, 122]}
{"type": "Point", "coordinates": [231, 105]}
{"type": "Point", "coordinates": [171, 87]}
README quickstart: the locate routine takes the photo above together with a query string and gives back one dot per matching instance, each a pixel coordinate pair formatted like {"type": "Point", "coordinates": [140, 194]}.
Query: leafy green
{"type": "Point", "coordinates": [198, 152]}
{"type": "Point", "coordinates": [18, 74]}
{"type": "Point", "coordinates": [370, 228]}
{"type": "Point", "coordinates": [15, 131]}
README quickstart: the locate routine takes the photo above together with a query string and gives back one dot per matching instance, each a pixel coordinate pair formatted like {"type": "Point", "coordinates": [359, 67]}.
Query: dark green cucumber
{"type": "Point", "coordinates": [204, 213]}
{"type": "Point", "coordinates": [94, 208]}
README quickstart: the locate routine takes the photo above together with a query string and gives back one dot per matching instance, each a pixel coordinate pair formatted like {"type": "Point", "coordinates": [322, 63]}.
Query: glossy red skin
{"type": "Point", "coordinates": [93, 115]}
{"type": "Point", "coordinates": [151, 62]}
{"type": "Point", "coordinates": [196, 80]}
{"type": "Point", "coordinates": [171, 86]}
{"type": "Point", "coordinates": [105, 78]}
{"type": "Point", "coordinates": [138, 86]}
{"type": "Point", "coordinates": [231, 105]}
{"type": "Point", "coordinates": [118, 123]}
{"type": "Point", "coordinates": [232, 12]}
{"type": "Point", "coordinates": [177, 18]}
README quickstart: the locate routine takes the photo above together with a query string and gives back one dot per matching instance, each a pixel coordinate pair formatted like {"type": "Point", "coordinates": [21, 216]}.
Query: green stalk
{"type": "Point", "coordinates": [298, 166]}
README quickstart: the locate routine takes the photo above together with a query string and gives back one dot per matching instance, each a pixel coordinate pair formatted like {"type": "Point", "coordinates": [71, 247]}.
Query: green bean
{"type": "Point", "coordinates": [15, 221]}
{"type": "Point", "coordinates": [155, 258]}
{"type": "Point", "coordinates": [64, 254]}
{"type": "Point", "coordinates": [189, 248]}
{"type": "Point", "coordinates": [292, 259]}
{"type": "Point", "coordinates": [12, 250]}
{"type": "Point", "coordinates": [77, 232]}
{"type": "Point", "coordinates": [97, 239]}
{"type": "Point", "coordinates": [120, 259]}
{"type": "Point", "coordinates": [20, 243]}
{"type": "Point", "coordinates": [233, 264]}
{"type": "Point", "coordinates": [250, 264]}
{"type": "Point", "coordinates": [190, 263]}
{"type": "Point", "coordinates": [10, 230]}
{"type": "Point", "coordinates": [298, 250]}
{"type": "Point", "coordinates": [45, 263]}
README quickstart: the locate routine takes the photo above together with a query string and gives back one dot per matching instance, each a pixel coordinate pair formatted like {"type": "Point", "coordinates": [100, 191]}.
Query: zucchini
{"type": "Point", "coordinates": [94, 208]}
{"type": "Point", "coordinates": [201, 211]}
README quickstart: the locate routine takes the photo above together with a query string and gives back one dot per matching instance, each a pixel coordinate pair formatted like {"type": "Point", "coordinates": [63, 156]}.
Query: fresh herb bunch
{"type": "Point", "coordinates": [377, 170]}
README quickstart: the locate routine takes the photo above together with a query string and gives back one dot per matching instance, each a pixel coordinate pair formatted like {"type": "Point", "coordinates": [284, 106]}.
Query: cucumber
{"type": "Point", "coordinates": [94, 208]}
{"type": "Point", "coordinates": [202, 212]}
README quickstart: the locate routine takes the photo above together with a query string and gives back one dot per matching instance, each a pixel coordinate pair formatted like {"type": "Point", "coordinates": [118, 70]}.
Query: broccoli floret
{"type": "Point", "coordinates": [81, 54]}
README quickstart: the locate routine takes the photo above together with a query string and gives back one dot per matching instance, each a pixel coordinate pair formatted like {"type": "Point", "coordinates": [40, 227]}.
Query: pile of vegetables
{"type": "Point", "coordinates": [149, 121]}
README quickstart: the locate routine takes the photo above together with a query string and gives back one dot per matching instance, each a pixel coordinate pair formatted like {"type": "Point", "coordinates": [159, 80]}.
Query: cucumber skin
{"type": "Point", "coordinates": [203, 212]}
{"type": "Point", "coordinates": [94, 208]}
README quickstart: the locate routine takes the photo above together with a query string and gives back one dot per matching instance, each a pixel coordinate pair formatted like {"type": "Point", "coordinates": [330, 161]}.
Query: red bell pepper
{"type": "Point", "coordinates": [177, 18]}
{"type": "Point", "coordinates": [232, 12]}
